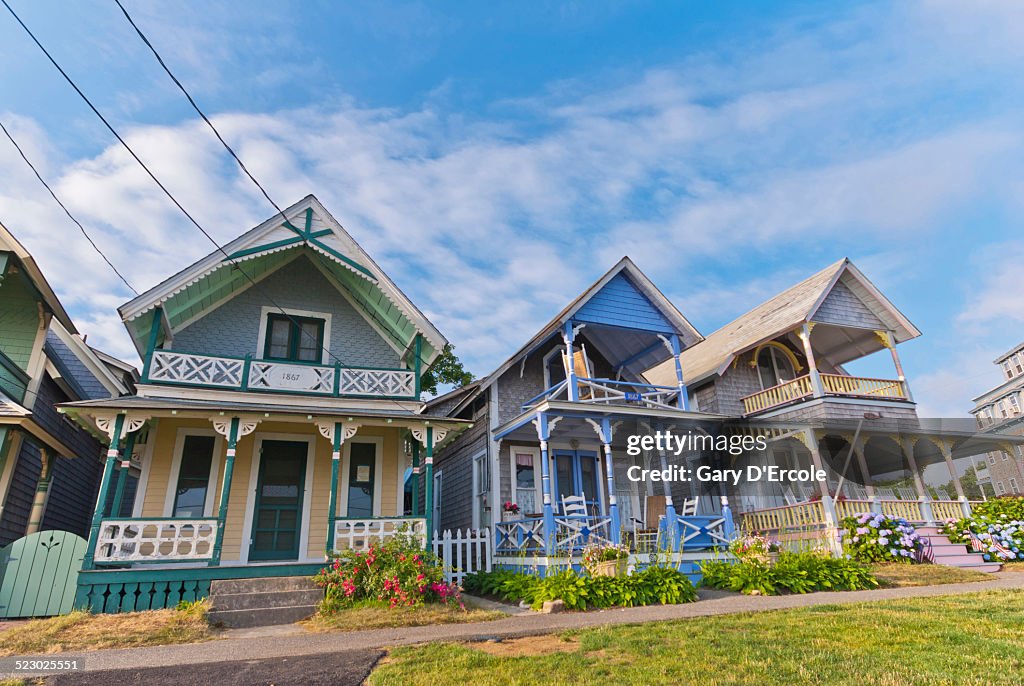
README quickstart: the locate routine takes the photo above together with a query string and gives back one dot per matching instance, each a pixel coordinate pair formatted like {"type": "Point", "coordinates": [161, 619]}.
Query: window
{"type": "Point", "coordinates": [1007, 369]}
{"type": "Point", "coordinates": [193, 491]}
{"type": "Point", "coordinates": [296, 339]}
{"type": "Point", "coordinates": [481, 491]}
{"type": "Point", "coordinates": [991, 458]}
{"type": "Point", "coordinates": [999, 488]}
{"type": "Point", "coordinates": [526, 480]}
{"type": "Point", "coordinates": [773, 367]}
{"type": "Point", "coordinates": [1013, 486]}
{"type": "Point", "coordinates": [1018, 362]}
{"type": "Point", "coordinates": [1014, 404]}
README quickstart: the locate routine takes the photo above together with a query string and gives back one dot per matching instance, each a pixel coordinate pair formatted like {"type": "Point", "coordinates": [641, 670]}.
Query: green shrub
{"type": "Point", "coordinates": [396, 572]}
{"type": "Point", "coordinates": [580, 592]}
{"type": "Point", "coordinates": [793, 573]}
{"type": "Point", "coordinates": [873, 537]}
{"type": "Point", "coordinates": [1003, 507]}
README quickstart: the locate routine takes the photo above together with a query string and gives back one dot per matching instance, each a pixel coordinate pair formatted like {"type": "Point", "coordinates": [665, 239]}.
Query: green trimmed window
{"type": "Point", "coordinates": [194, 477]}
{"type": "Point", "coordinates": [294, 339]}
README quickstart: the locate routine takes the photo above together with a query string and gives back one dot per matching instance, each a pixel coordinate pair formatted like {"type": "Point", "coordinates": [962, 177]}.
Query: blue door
{"type": "Point", "coordinates": [577, 473]}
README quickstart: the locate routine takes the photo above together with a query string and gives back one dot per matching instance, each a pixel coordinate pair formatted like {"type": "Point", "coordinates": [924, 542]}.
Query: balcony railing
{"type": "Point", "coordinates": [156, 540]}
{"type": "Point", "coordinates": [611, 392]}
{"type": "Point", "coordinates": [245, 374]}
{"type": "Point", "coordinates": [13, 379]}
{"type": "Point", "coordinates": [832, 385]}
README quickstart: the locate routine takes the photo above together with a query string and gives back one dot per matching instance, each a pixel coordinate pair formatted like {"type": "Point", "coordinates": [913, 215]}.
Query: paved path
{"type": "Point", "coordinates": [286, 642]}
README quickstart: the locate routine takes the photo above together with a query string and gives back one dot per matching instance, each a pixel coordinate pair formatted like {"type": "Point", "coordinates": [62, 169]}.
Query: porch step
{"type": "Point", "coordinates": [239, 603]}
{"type": "Point", "coordinates": [956, 554]}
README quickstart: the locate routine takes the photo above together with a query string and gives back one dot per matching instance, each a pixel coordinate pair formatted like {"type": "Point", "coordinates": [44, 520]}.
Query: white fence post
{"type": "Point", "coordinates": [464, 552]}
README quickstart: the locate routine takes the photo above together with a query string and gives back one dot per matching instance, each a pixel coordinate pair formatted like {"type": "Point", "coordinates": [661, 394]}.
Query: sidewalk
{"type": "Point", "coordinates": [272, 642]}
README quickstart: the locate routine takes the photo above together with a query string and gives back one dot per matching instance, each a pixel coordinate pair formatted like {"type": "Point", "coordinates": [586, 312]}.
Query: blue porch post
{"type": "Point", "coordinates": [728, 526]}
{"type": "Point", "coordinates": [609, 468]}
{"type": "Point", "coordinates": [415, 477]}
{"type": "Point", "coordinates": [429, 497]}
{"type": "Point", "coordinates": [332, 505]}
{"type": "Point", "coordinates": [671, 522]}
{"type": "Point", "coordinates": [545, 476]}
{"type": "Point", "coordinates": [88, 560]}
{"type": "Point", "coordinates": [122, 474]}
{"type": "Point", "coordinates": [225, 491]}
{"type": "Point", "coordinates": [573, 387]}
{"type": "Point", "coordinates": [684, 402]}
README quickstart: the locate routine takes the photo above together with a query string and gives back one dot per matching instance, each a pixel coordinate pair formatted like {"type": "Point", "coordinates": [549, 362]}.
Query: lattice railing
{"type": "Point", "coordinates": [395, 382]}
{"type": "Point", "coordinates": [839, 384]}
{"type": "Point", "coordinates": [155, 540]}
{"type": "Point", "coordinates": [357, 534]}
{"type": "Point", "coordinates": [785, 392]}
{"type": "Point", "coordinates": [519, 536]}
{"type": "Point", "coordinates": [702, 532]}
{"type": "Point", "coordinates": [575, 532]}
{"type": "Point", "coordinates": [201, 370]}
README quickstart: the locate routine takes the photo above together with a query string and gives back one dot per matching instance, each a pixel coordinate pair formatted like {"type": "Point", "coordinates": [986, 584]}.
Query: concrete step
{"type": "Point", "coordinates": [264, 616]}
{"type": "Point", "coordinates": [949, 549]}
{"type": "Point", "coordinates": [959, 560]}
{"type": "Point", "coordinates": [986, 567]}
{"type": "Point", "coordinates": [262, 584]}
{"type": "Point", "coordinates": [265, 599]}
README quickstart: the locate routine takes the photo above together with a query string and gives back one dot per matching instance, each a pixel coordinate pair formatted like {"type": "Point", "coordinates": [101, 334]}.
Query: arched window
{"type": "Point", "coordinates": [774, 367]}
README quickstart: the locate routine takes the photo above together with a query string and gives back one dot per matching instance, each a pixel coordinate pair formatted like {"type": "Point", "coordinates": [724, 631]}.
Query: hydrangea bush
{"type": "Point", "coordinates": [997, 523]}
{"type": "Point", "coordinates": [874, 537]}
{"type": "Point", "coordinates": [396, 572]}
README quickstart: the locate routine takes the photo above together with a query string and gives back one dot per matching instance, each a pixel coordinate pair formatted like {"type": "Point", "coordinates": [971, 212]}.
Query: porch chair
{"type": "Point", "coordinates": [575, 520]}
{"type": "Point", "coordinates": [645, 531]}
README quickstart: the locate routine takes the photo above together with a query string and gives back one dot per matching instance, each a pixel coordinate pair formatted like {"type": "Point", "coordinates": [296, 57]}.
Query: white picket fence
{"type": "Point", "coordinates": [464, 552]}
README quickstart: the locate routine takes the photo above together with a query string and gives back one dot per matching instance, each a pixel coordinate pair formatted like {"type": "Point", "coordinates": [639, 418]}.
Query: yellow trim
{"type": "Point", "coordinates": [797, 367]}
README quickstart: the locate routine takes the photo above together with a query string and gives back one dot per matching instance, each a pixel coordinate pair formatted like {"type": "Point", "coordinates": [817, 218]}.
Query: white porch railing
{"type": "Point", "coordinates": [464, 553]}
{"type": "Point", "coordinates": [832, 384]}
{"type": "Point", "coordinates": [174, 367]}
{"type": "Point", "coordinates": [519, 536]}
{"type": "Point", "coordinates": [155, 540]}
{"type": "Point", "coordinates": [357, 534]}
{"type": "Point", "coordinates": [612, 392]}
{"type": "Point", "coordinates": [573, 532]}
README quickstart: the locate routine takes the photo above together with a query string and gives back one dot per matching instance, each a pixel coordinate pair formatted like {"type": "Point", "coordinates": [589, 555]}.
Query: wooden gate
{"type": "Point", "coordinates": [464, 553]}
{"type": "Point", "coordinates": [39, 574]}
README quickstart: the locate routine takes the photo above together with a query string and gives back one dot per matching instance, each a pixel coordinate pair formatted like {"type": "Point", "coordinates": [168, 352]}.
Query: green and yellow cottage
{"type": "Point", "coordinates": [278, 418]}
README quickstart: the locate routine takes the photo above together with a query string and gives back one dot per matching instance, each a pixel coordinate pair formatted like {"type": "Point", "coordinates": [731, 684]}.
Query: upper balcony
{"type": "Point", "coordinates": [612, 392]}
{"type": "Point", "coordinates": [177, 368]}
{"type": "Point", "coordinates": [832, 385]}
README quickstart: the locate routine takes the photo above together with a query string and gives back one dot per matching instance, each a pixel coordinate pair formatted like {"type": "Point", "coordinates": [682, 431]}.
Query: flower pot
{"type": "Point", "coordinates": [610, 568]}
{"type": "Point", "coordinates": [509, 516]}
{"type": "Point", "coordinates": [773, 558]}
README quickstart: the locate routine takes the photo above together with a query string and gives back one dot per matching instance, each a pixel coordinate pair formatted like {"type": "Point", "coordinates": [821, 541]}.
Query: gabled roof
{"type": "Point", "coordinates": [656, 306]}
{"type": "Point", "coordinates": [307, 227]}
{"type": "Point", "coordinates": [779, 315]}
{"type": "Point", "coordinates": [8, 243]}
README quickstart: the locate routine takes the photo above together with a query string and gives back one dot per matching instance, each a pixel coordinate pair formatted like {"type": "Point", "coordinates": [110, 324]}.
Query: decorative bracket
{"type": "Point", "coordinates": [245, 426]}
{"type": "Point", "coordinates": [420, 434]}
{"type": "Point", "coordinates": [668, 344]}
{"type": "Point", "coordinates": [599, 430]}
{"type": "Point", "coordinates": [326, 429]}
{"type": "Point", "coordinates": [131, 425]}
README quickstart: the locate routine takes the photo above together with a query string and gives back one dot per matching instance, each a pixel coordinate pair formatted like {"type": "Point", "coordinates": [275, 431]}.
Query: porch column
{"type": "Point", "coordinates": [543, 433]}
{"type": "Point", "coordinates": [684, 401]}
{"type": "Point", "coordinates": [122, 474]}
{"type": "Point", "coordinates": [827, 504]}
{"type": "Point", "coordinates": [924, 498]}
{"type": "Point", "coordinates": [225, 491]}
{"type": "Point", "coordinates": [605, 434]}
{"type": "Point", "coordinates": [887, 341]}
{"type": "Point", "coordinates": [415, 478]}
{"type": "Point", "coordinates": [869, 486]}
{"type": "Point", "coordinates": [812, 365]}
{"type": "Point", "coordinates": [337, 436]}
{"type": "Point", "coordinates": [573, 388]}
{"type": "Point", "coordinates": [429, 496]}
{"type": "Point", "coordinates": [728, 524]}
{"type": "Point", "coordinates": [671, 523]}
{"type": "Point", "coordinates": [42, 491]}
{"type": "Point", "coordinates": [947, 456]}
{"type": "Point", "coordinates": [114, 428]}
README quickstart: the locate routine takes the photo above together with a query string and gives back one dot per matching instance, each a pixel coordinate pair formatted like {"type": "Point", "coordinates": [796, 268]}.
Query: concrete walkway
{"type": "Point", "coordinates": [271, 642]}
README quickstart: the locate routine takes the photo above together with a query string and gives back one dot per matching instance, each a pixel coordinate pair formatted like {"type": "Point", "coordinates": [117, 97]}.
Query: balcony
{"type": "Point", "coordinates": [833, 385]}
{"type": "Point", "coordinates": [177, 368]}
{"type": "Point", "coordinates": [611, 392]}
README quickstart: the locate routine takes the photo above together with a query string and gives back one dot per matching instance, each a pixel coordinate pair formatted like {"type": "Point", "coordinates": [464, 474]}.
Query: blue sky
{"type": "Point", "coordinates": [496, 159]}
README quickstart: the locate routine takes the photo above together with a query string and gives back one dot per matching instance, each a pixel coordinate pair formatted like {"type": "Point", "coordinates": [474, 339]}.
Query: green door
{"type": "Point", "coordinates": [277, 516]}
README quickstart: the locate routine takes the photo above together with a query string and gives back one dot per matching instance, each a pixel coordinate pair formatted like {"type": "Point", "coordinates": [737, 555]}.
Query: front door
{"type": "Point", "coordinates": [576, 473]}
{"type": "Point", "coordinates": [362, 479]}
{"type": "Point", "coordinates": [277, 516]}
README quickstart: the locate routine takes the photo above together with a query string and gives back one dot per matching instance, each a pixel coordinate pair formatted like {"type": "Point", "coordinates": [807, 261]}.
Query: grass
{"type": "Point", "coordinates": [368, 615]}
{"type": "Point", "coordinates": [893, 575]}
{"type": "Point", "coordinates": [84, 631]}
{"type": "Point", "coordinates": [971, 639]}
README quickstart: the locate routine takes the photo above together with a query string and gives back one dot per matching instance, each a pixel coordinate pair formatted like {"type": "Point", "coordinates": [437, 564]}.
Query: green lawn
{"type": "Point", "coordinates": [894, 575]}
{"type": "Point", "coordinates": [950, 640]}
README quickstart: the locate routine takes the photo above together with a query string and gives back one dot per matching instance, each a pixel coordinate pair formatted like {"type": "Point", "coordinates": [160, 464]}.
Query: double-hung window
{"type": "Point", "coordinates": [294, 339]}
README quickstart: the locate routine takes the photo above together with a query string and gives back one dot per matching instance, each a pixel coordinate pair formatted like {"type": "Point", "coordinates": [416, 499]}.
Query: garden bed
{"type": "Point", "coordinates": [375, 615]}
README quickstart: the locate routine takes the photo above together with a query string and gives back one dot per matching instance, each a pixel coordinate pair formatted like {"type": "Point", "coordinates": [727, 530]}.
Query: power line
{"type": "Point", "coordinates": [113, 131]}
{"type": "Point", "coordinates": [66, 210]}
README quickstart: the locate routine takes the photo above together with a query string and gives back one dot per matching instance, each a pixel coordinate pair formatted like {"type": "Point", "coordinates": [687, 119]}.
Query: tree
{"type": "Point", "coordinates": [447, 369]}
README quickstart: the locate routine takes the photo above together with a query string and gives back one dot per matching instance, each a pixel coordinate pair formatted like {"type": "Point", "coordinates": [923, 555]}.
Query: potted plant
{"type": "Point", "coordinates": [509, 511]}
{"type": "Point", "coordinates": [606, 560]}
{"type": "Point", "coordinates": [756, 547]}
